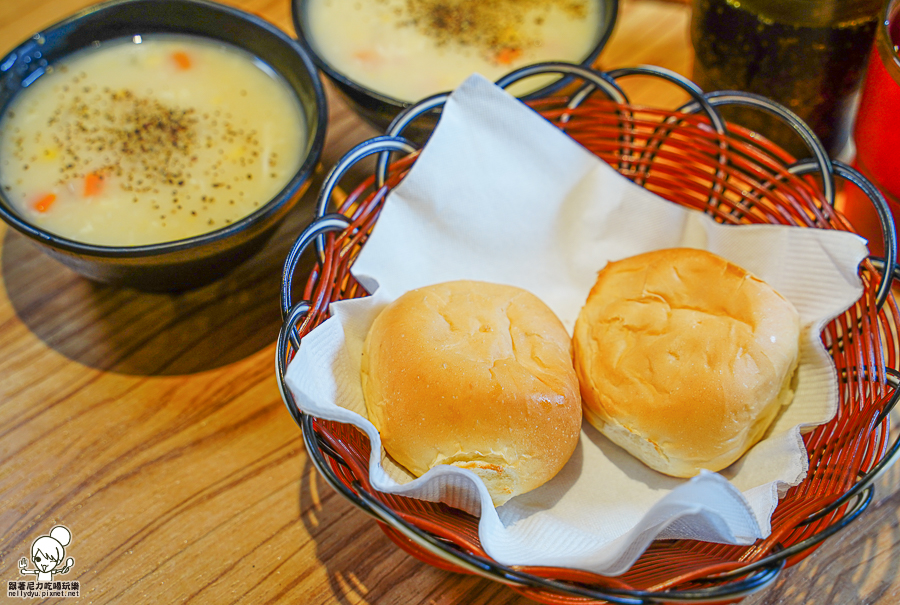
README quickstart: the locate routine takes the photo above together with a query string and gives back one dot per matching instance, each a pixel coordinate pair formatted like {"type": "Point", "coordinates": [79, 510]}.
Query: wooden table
{"type": "Point", "coordinates": [151, 425]}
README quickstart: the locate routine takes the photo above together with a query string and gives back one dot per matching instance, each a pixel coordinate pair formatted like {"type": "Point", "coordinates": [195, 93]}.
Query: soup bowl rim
{"type": "Point", "coordinates": [315, 139]}
{"type": "Point", "coordinates": [305, 40]}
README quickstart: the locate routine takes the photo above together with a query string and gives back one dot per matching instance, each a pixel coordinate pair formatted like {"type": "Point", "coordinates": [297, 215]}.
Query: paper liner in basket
{"type": "Point", "coordinates": [499, 194]}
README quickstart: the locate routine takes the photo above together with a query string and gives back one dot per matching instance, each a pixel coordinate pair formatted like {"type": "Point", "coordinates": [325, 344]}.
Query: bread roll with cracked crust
{"type": "Point", "coordinates": [684, 358]}
{"type": "Point", "coordinates": [476, 375]}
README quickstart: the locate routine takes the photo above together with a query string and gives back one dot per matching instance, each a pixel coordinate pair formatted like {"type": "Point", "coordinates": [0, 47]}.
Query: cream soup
{"type": "Point", "coordinates": [410, 49]}
{"type": "Point", "coordinates": [149, 140]}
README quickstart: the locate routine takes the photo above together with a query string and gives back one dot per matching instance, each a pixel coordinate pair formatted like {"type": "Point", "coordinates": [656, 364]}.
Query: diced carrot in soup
{"type": "Point", "coordinates": [44, 202]}
{"type": "Point", "coordinates": [507, 55]}
{"type": "Point", "coordinates": [93, 184]}
{"type": "Point", "coordinates": [182, 59]}
{"type": "Point", "coordinates": [366, 56]}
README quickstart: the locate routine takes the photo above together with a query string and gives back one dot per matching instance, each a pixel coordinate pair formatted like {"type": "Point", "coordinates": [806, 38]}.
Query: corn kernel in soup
{"type": "Point", "coordinates": [149, 140]}
{"type": "Point", "coordinates": [411, 49]}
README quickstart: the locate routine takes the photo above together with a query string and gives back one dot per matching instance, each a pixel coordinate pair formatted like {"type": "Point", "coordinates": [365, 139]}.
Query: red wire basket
{"type": "Point", "coordinates": [690, 157]}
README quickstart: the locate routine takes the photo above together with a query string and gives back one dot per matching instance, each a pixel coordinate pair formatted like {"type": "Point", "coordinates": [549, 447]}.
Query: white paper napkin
{"type": "Point", "coordinates": [499, 194]}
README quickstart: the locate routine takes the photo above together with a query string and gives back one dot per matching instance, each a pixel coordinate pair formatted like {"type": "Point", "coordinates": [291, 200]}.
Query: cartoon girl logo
{"type": "Point", "coordinates": [47, 554]}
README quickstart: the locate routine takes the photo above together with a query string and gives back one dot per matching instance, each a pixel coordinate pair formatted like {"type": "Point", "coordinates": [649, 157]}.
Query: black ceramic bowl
{"type": "Point", "coordinates": [190, 262]}
{"type": "Point", "coordinates": [379, 109]}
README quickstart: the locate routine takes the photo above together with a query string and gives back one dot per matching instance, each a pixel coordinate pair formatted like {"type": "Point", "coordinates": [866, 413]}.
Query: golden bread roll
{"type": "Point", "coordinates": [684, 358]}
{"type": "Point", "coordinates": [476, 375]}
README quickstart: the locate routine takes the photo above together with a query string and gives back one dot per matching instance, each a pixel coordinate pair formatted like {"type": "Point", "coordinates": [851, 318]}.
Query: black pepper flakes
{"type": "Point", "coordinates": [493, 28]}
{"type": "Point", "coordinates": [143, 145]}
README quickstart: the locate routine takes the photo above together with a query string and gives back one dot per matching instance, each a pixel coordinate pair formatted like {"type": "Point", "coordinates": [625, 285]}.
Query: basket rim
{"type": "Point", "coordinates": [750, 578]}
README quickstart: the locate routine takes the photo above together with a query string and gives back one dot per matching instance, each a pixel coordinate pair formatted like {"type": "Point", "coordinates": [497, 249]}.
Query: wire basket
{"type": "Point", "coordinates": [689, 156]}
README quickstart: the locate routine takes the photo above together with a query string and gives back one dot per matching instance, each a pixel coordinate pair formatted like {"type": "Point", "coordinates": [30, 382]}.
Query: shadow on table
{"type": "Point", "coordinates": [130, 332]}
{"type": "Point", "coordinates": [365, 566]}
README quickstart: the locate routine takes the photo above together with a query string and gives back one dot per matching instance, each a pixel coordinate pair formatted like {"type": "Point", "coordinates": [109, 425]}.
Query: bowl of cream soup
{"type": "Point", "coordinates": [156, 143]}
{"type": "Point", "coordinates": [385, 55]}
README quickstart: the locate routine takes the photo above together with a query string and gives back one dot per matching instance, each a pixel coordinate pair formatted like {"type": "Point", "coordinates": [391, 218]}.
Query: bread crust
{"type": "Point", "coordinates": [684, 359]}
{"type": "Point", "coordinates": [476, 375]}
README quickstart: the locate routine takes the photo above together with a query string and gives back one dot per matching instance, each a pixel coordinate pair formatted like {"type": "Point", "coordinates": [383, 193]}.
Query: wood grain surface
{"type": "Point", "coordinates": [151, 425]}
